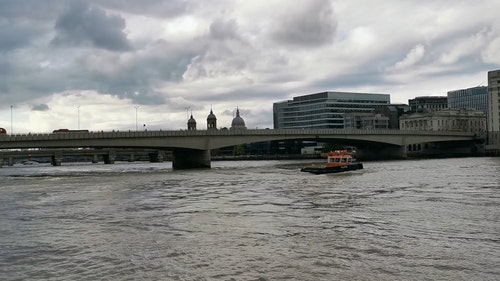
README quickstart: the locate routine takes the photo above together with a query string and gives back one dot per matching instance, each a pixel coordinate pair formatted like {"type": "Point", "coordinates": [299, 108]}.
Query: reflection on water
{"type": "Point", "coordinates": [255, 220]}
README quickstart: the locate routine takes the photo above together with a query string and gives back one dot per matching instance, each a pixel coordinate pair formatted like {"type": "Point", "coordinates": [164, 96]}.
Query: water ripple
{"type": "Point", "coordinates": [260, 220]}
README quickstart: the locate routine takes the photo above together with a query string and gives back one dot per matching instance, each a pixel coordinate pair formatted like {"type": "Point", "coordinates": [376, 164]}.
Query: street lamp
{"type": "Point", "coordinates": [78, 110]}
{"type": "Point", "coordinates": [11, 130]}
{"type": "Point", "coordinates": [136, 107]}
{"type": "Point", "coordinates": [187, 112]}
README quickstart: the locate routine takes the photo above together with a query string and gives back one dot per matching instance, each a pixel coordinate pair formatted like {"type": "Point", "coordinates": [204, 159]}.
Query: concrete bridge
{"type": "Point", "coordinates": [191, 149]}
{"type": "Point", "coordinates": [108, 155]}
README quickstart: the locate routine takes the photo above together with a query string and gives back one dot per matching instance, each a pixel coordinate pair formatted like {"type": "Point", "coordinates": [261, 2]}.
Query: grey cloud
{"type": "Point", "coordinates": [85, 25]}
{"type": "Point", "coordinates": [14, 36]}
{"type": "Point", "coordinates": [162, 9]}
{"type": "Point", "coordinates": [159, 62]}
{"type": "Point", "coordinates": [29, 10]}
{"type": "Point", "coordinates": [224, 52]}
{"type": "Point", "coordinates": [22, 21]}
{"type": "Point", "coordinates": [221, 30]}
{"type": "Point", "coordinates": [313, 25]}
{"type": "Point", "coordinates": [40, 107]}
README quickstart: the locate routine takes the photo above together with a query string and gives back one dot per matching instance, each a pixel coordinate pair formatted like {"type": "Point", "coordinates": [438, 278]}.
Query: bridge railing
{"type": "Point", "coordinates": [181, 133]}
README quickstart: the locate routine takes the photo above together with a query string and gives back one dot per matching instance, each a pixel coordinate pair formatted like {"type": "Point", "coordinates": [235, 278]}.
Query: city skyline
{"type": "Point", "coordinates": [108, 65]}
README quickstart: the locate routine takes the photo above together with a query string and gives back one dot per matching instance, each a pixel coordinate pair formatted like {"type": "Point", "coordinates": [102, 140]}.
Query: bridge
{"type": "Point", "coordinates": [191, 149]}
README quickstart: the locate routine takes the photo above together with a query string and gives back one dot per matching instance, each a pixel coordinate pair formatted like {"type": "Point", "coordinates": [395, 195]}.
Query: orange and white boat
{"type": "Point", "coordinates": [337, 161]}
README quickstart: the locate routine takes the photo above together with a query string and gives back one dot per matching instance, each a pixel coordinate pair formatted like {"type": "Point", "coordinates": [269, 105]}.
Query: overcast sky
{"type": "Point", "coordinates": [96, 63]}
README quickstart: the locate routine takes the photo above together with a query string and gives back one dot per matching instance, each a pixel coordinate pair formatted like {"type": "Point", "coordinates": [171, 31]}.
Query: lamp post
{"type": "Point", "coordinates": [136, 128]}
{"type": "Point", "coordinates": [11, 130]}
{"type": "Point", "coordinates": [187, 112]}
{"type": "Point", "coordinates": [78, 112]}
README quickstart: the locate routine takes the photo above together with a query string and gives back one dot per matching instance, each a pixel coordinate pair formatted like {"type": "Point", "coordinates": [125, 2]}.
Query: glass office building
{"type": "Point", "coordinates": [471, 98]}
{"type": "Point", "coordinates": [325, 110]}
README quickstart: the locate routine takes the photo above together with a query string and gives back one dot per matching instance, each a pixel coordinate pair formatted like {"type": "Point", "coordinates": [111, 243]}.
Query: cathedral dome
{"type": "Point", "coordinates": [238, 122]}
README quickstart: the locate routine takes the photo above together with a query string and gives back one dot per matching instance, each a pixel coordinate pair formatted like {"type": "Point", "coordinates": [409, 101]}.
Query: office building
{"type": "Point", "coordinates": [494, 107]}
{"type": "Point", "coordinates": [475, 98]}
{"type": "Point", "coordinates": [426, 104]}
{"type": "Point", "coordinates": [365, 121]}
{"type": "Point", "coordinates": [393, 112]}
{"type": "Point", "coordinates": [325, 110]}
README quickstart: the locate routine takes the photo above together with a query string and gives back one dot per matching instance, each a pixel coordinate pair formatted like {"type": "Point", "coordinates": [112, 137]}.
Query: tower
{"type": "Point", "coordinates": [191, 123]}
{"type": "Point", "coordinates": [211, 121]}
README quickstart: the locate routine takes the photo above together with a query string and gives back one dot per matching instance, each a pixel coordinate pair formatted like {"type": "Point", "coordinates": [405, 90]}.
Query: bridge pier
{"type": "Point", "coordinates": [185, 158]}
{"type": "Point", "coordinates": [157, 157]}
{"type": "Point", "coordinates": [57, 158]}
{"type": "Point", "coordinates": [110, 157]}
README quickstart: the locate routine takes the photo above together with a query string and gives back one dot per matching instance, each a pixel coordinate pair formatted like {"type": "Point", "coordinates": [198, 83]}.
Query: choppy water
{"type": "Point", "coordinates": [262, 220]}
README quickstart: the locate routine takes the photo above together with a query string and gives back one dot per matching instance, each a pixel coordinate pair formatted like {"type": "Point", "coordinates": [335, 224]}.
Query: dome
{"type": "Point", "coordinates": [191, 123]}
{"type": "Point", "coordinates": [211, 116]}
{"type": "Point", "coordinates": [191, 120]}
{"type": "Point", "coordinates": [238, 122]}
{"type": "Point", "coordinates": [211, 121]}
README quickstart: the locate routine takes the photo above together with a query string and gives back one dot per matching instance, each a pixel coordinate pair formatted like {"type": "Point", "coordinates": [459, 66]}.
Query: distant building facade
{"type": "Point", "coordinates": [475, 98]}
{"type": "Point", "coordinates": [427, 103]}
{"type": "Point", "coordinates": [494, 107]}
{"type": "Point", "coordinates": [366, 121]}
{"type": "Point", "coordinates": [393, 112]}
{"type": "Point", "coordinates": [450, 120]}
{"type": "Point", "coordinates": [325, 110]}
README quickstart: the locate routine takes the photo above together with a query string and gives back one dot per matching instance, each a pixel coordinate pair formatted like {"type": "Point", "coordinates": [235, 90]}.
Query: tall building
{"type": "Point", "coordinates": [366, 121]}
{"type": "Point", "coordinates": [325, 110]}
{"type": "Point", "coordinates": [394, 112]}
{"type": "Point", "coordinates": [425, 104]}
{"type": "Point", "coordinates": [493, 109]}
{"type": "Point", "coordinates": [475, 98]}
{"type": "Point", "coordinates": [493, 100]}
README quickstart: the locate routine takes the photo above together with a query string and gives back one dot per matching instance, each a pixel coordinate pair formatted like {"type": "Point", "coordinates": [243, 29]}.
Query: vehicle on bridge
{"type": "Point", "coordinates": [69, 131]}
{"type": "Point", "coordinates": [3, 131]}
{"type": "Point", "coordinates": [337, 161]}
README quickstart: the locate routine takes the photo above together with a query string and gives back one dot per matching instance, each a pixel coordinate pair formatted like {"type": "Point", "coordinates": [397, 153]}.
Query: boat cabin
{"type": "Point", "coordinates": [339, 158]}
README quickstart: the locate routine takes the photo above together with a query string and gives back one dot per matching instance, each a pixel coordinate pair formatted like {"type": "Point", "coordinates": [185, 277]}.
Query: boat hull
{"type": "Point", "coordinates": [335, 169]}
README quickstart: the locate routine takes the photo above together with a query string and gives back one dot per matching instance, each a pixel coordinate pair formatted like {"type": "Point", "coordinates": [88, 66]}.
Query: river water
{"type": "Point", "coordinates": [433, 219]}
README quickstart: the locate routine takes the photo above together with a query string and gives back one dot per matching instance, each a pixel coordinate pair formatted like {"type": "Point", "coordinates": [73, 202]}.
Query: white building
{"type": "Point", "coordinates": [457, 120]}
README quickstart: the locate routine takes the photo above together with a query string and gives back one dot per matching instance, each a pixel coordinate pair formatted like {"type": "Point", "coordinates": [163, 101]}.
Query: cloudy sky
{"type": "Point", "coordinates": [96, 63]}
